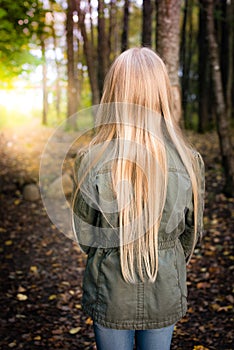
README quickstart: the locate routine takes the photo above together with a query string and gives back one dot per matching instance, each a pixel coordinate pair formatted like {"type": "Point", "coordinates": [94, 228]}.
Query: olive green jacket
{"type": "Point", "coordinates": [107, 298]}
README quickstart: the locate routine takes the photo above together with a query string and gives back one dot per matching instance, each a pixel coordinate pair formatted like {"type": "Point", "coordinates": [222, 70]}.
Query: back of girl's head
{"type": "Point", "coordinates": [139, 76]}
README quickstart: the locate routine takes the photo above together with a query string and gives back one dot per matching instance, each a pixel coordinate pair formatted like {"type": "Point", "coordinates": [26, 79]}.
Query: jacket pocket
{"type": "Point", "coordinates": [91, 279]}
{"type": "Point", "coordinates": [166, 298]}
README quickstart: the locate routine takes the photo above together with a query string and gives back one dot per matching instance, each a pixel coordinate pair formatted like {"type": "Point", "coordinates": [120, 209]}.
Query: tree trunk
{"type": "Point", "coordinates": [203, 88]}
{"type": "Point", "coordinates": [57, 63]}
{"type": "Point", "coordinates": [103, 51]}
{"type": "Point", "coordinates": [210, 97]}
{"type": "Point", "coordinates": [89, 56]}
{"type": "Point", "coordinates": [116, 39]}
{"type": "Point", "coordinates": [147, 23]}
{"type": "Point", "coordinates": [124, 37]}
{"type": "Point", "coordinates": [224, 45]}
{"type": "Point", "coordinates": [44, 84]}
{"type": "Point", "coordinates": [167, 44]}
{"type": "Point", "coordinates": [78, 73]}
{"type": "Point", "coordinates": [230, 83]}
{"type": "Point", "coordinates": [223, 125]}
{"type": "Point", "coordinates": [187, 50]}
{"type": "Point", "coordinates": [113, 31]}
{"type": "Point", "coordinates": [91, 21]}
{"type": "Point", "coordinates": [72, 103]}
{"type": "Point", "coordinates": [183, 50]}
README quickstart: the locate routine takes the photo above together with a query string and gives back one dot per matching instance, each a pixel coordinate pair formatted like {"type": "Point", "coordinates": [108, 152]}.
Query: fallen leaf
{"type": "Point", "coordinates": [225, 308]}
{"type": "Point", "coordinates": [74, 330]}
{"type": "Point", "coordinates": [33, 269]}
{"type": "Point", "coordinates": [215, 307]}
{"type": "Point", "coordinates": [202, 285]}
{"type": "Point", "coordinates": [230, 298]}
{"type": "Point", "coordinates": [21, 297]}
{"type": "Point", "coordinates": [89, 321]}
{"type": "Point", "coordinates": [57, 331]}
{"type": "Point", "coordinates": [12, 345]}
{"type": "Point", "coordinates": [37, 337]}
{"type": "Point", "coordinates": [21, 289]}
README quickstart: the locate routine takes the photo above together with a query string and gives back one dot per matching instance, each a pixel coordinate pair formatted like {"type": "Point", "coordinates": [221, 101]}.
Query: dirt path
{"type": "Point", "coordinates": [41, 269]}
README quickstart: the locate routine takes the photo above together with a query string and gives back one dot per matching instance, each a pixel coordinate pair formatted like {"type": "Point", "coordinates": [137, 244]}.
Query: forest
{"type": "Point", "coordinates": [54, 56]}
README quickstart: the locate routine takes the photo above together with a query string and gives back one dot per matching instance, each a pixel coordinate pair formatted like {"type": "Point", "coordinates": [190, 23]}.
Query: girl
{"type": "Point", "coordinates": [137, 208]}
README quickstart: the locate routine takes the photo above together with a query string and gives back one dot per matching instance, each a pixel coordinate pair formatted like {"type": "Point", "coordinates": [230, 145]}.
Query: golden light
{"type": "Point", "coordinates": [20, 100]}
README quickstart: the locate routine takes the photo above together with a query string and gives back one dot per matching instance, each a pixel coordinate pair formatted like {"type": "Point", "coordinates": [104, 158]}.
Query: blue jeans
{"type": "Point", "coordinates": [150, 339]}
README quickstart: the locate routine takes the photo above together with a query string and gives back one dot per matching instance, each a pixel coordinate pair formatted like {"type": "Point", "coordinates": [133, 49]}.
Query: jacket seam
{"type": "Point", "coordinates": [140, 301]}
{"type": "Point", "coordinates": [178, 280]}
{"type": "Point", "coordinates": [98, 301]}
{"type": "Point", "coordinates": [177, 170]}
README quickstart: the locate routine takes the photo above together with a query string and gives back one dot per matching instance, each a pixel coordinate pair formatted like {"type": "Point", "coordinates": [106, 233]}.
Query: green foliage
{"type": "Point", "coordinates": [86, 96]}
{"type": "Point", "coordinates": [17, 26]}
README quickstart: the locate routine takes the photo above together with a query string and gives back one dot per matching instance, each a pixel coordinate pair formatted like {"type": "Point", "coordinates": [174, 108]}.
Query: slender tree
{"type": "Point", "coordinates": [103, 50]}
{"type": "Point", "coordinates": [90, 55]}
{"type": "Point", "coordinates": [168, 42]}
{"type": "Point", "coordinates": [90, 9]}
{"type": "Point", "coordinates": [43, 34]}
{"type": "Point", "coordinates": [125, 32]}
{"type": "Point", "coordinates": [72, 100]}
{"type": "Point", "coordinates": [58, 67]}
{"type": "Point", "coordinates": [230, 79]}
{"type": "Point", "coordinates": [147, 23]}
{"type": "Point", "coordinates": [113, 30]}
{"type": "Point", "coordinates": [226, 50]}
{"type": "Point", "coordinates": [186, 55]}
{"type": "Point", "coordinates": [44, 82]}
{"type": "Point", "coordinates": [183, 34]}
{"type": "Point", "coordinates": [203, 72]}
{"type": "Point", "coordinates": [223, 124]}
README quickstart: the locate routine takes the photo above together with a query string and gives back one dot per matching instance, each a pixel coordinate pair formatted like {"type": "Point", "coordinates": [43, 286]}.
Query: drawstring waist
{"type": "Point", "coordinates": [167, 244]}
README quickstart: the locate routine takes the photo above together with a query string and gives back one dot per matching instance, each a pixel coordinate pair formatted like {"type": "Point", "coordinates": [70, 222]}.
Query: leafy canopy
{"type": "Point", "coordinates": [18, 24]}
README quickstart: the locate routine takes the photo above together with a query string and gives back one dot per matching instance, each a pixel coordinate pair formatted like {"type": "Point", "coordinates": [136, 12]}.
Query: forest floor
{"type": "Point", "coordinates": [41, 269]}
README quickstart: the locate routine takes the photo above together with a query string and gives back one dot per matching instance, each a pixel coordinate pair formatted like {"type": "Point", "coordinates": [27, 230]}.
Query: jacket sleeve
{"type": "Point", "coordinates": [83, 214]}
{"type": "Point", "coordinates": [93, 227]}
{"type": "Point", "coordinates": [187, 237]}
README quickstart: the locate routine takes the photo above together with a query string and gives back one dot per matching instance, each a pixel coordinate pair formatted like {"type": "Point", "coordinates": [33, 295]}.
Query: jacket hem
{"type": "Point", "coordinates": [136, 324]}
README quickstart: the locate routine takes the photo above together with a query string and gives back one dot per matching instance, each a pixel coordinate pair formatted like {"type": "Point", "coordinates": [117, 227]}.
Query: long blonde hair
{"type": "Point", "coordinates": [135, 107]}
